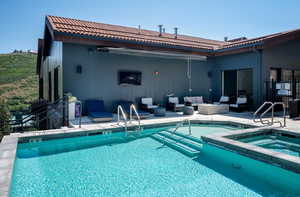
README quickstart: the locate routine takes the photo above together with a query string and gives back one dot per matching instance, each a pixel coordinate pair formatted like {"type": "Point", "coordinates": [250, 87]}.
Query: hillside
{"type": "Point", "coordinates": [18, 81]}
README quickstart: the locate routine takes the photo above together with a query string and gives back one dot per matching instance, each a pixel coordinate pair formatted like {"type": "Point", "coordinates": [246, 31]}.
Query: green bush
{"type": "Point", "coordinates": [4, 117]}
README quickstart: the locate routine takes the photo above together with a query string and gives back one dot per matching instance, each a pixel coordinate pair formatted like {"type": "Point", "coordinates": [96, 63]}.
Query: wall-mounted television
{"type": "Point", "coordinates": [130, 77]}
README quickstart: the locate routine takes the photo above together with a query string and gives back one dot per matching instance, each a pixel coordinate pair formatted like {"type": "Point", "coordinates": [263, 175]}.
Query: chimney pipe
{"type": "Point", "coordinates": [160, 29]}
{"type": "Point", "coordinates": [139, 29]}
{"type": "Point", "coordinates": [226, 39]}
{"type": "Point", "coordinates": [175, 32]}
{"type": "Point", "coordinates": [164, 30]}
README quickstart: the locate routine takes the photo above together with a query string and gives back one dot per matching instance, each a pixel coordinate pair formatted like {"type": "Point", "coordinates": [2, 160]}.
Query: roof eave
{"type": "Point", "coordinates": [60, 36]}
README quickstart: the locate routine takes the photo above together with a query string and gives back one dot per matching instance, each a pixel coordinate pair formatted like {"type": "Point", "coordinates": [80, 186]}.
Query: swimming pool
{"type": "Point", "coordinates": [115, 165]}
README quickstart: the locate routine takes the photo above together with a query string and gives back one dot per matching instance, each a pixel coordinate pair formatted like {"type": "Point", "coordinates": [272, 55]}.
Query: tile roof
{"type": "Point", "coordinates": [261, 39]}
{"type": "Point", "coordinates": [116, 32]}
{"type": "Point", "coordinates": [86, 28]}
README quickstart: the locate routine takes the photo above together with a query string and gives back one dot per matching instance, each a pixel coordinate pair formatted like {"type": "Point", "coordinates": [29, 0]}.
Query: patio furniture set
{"type": "Point", "coordinates": [96, 111]}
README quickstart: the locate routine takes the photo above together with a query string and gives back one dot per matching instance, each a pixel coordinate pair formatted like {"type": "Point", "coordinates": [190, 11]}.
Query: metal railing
{"type": "Point", "coordinates": [271, 107]}
{"type": "Point", "coordinates": [259, 109]}
{"type": "Point", "coordinates": [122, 113]}
{"type": "Point", "coordinates": [133, 109]}
{"type": "Point", "coordinates": [181, 124]}
{"type": "Point", "coordinates": [54, 111]}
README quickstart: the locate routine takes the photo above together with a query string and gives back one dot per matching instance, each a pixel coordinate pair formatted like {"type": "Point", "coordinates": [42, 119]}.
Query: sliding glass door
{"type": "Point", "coordinates": [237, 82]}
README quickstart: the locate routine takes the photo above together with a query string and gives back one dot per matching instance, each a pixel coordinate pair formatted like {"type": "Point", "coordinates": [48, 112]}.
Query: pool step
{"type": "Point", "coordinates": [182, 139]}
{"type": "Point", "coordinates": [187, 150]}
{"type": "Point", "coordinates": [198, 140]}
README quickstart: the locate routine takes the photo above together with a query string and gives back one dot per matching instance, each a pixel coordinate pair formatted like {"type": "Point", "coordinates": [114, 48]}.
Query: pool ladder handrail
{"type": "Point", "coordinates": [120, 111]}
{"type": "Point", "coordinates": [181, 125]}
{"type": "Point", "coordinates": [267, 122]}
{"type": "Point", "coordinates": [133, 109]}
{"type": "Point", "coordinates": [259, 109]}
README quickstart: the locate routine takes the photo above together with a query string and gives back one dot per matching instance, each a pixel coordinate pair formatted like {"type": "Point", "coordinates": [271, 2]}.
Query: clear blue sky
{"type": "Point", "coordinates": [22, 21]}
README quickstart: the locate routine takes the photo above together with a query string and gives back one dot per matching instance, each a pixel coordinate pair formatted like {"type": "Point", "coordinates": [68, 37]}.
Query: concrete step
{"type": "Point", "coordinates": [182, 139]}
{"type": "Point", "coordinates": [191, 152]}
{"type": "Point", "coordinates": [197, 140]}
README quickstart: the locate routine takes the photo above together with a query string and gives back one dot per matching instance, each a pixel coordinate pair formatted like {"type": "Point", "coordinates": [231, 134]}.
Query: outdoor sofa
{"type": "Point", "coordinates": [240, 105]}
{"type": "Point", "coordinates": [223, 100]}
{"type": "Point", "coordinates": [148, 105]}
{"type": "Point", "coordinates": [193, 101]}
{"type": "Point", "coordinates": [174, 105]}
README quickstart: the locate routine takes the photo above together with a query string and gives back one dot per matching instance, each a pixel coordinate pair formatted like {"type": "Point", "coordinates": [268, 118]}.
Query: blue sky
{"type": "Point", "coordinates": [22, 21]}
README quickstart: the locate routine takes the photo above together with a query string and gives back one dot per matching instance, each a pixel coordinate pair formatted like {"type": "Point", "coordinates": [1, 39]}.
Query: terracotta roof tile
{"type": "Point", "coordinates": [101, 30]}
{"type": "Point", "coordinates": [67, 25]}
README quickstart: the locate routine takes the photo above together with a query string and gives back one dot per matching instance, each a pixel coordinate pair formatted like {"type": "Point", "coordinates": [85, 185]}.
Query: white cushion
{"type": "Point", "coordinates": [147, 101]}
{"type": "Point", "coordinates": [234, 105]}
{"type": "Point", "coordinates": [152, 106]}
{"type": "Point", "coordinates": [194, 99]}
{"type": "Point", "coordinates": [241, 100]}
{"type": "Point", "coordinates": [217, 103]}
{"type": "Point", "coordinates": [173, 100]}
{"type": "Point", "coordinates": [179, 105]}
{"type": "Point", "coordinates": [224, 99]}
{"type": "Point", "coordinates": [198, 99]}
{"type": "Point", "coordinates": [187, 99]}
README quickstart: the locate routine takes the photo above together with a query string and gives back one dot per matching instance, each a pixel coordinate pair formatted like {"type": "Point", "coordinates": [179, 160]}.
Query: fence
{"type": "Point", "coordinates": [44, 116]}
{"type": "Point", "coordinates": [271, 91]}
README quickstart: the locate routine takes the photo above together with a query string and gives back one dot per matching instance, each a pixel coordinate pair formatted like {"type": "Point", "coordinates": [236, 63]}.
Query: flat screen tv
{"type": "Point", "coordinates": [130, 77]}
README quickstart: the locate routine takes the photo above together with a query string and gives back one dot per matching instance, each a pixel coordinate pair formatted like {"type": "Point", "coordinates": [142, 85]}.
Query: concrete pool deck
{"type": "Point", "coordinates": [9, 143]}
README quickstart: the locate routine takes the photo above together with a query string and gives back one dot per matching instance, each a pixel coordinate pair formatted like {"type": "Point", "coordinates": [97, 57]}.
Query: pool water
{"type": "Point", "coordinates": [282, 144]}
{"type": "Point", "coordinates": [115, 166]}
{"type": "Point", "coordinates": [199, 130]}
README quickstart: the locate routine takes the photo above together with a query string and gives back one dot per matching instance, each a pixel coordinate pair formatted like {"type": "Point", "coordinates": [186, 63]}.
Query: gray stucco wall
{"type": "Point", "coordinates": [285, 56]}
{"type": "Point", "coordinates": [251, 60]}
{"type": "Point", "coordinates": [99, 77]}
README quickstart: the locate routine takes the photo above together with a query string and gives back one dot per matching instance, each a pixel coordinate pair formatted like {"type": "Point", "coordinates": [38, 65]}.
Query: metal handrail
{"type": "Point", "coordinates": [284, 114]}
{"type": "Point", "coordinates": [272, 115]}
{"type": "Point", "coordinates": [259, 109]}
{"type": "Point", "coordinates": [56, 105]}
{"type": "Point", "coordinates": [121, 112]}
{"type": "Point", "coordinates": [181, 124]}
{"type": "Point", "coordinates": [133, 109]}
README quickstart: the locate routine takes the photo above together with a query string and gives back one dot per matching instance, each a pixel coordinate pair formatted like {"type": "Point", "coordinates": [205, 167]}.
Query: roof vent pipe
{"type": "Point", "coordinates": [175, 32]}
{"type": "Point", "coordinates": [139, 29]}
{"type": "Point", "coordinates": [226, 39]}
{"type": "Point", "coordinates": [160, 29]}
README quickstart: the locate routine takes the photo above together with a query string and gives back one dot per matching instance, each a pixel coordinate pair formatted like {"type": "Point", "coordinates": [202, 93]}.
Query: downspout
{"type": "Point", "coordinates": [259, 91]}
{"type": "Point", "coordinates": [189, 74]}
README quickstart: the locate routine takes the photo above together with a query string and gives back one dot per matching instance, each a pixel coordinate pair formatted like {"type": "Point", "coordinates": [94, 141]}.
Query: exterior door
{"type": "Point", "coordinates": [230, 83]}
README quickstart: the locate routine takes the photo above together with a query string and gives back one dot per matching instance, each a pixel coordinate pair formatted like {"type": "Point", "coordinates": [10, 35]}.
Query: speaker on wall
{"type": "Point", "coordinates": [209, 74]}
{"type": "Point", "coordinates": [79, 69]}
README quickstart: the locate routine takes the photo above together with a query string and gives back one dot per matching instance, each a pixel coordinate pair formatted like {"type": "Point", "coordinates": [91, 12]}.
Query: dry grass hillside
{"type": "Point", "coordinates": [18, 81]}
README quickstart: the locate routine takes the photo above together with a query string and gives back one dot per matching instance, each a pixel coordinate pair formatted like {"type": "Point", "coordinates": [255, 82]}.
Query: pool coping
{"type": "Point", "coordinates": [9, 143]}
{"type": "Point", "coordinates": [229, 141]}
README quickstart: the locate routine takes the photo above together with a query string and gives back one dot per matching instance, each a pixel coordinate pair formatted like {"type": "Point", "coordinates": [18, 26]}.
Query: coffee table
{"type": "Point", "coordinates": [208, 109]}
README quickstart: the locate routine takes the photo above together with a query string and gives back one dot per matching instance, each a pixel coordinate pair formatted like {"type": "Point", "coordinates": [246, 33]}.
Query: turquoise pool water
{"type": "Point", "coordinates": [113, 166]}
{"type": "Point", "coordinates": [287, 145]}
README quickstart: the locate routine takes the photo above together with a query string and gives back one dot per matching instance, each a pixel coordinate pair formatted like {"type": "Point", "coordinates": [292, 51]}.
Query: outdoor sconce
{"type": "Point", "coordinates": [78, 69]}
{"type": "Point", "coordinates": [209, 74]}
{"type": "Point", "coordinates": [156, 73]}
{"type": "Point", "coordinates": [90, 50]}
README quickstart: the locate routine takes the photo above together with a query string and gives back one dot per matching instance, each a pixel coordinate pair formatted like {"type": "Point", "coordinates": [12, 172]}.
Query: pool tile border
{"type": "Point", "coordinates": [228, 141]}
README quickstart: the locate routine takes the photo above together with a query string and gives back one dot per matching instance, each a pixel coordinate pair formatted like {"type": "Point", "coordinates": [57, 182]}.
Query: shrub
{"type": "Point", "coordinates": [4, 117]}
